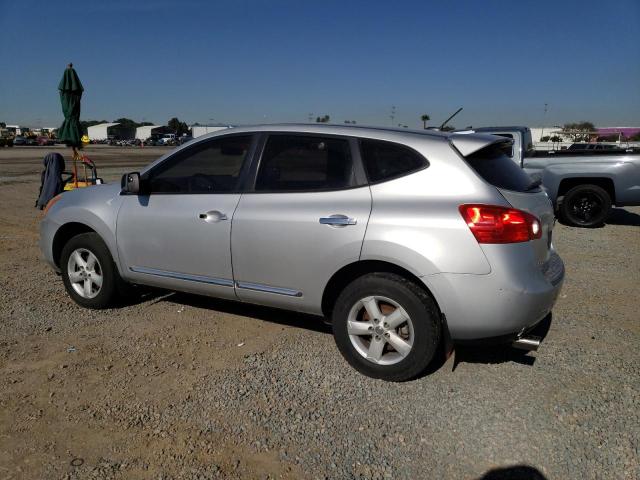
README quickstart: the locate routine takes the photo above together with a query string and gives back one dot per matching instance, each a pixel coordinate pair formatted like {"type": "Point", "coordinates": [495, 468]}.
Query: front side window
{"type": "Point", "coordinates": [209, 167]}
{"type": "Point", "coordinates": [296, 163]}
{"type": "Point", "coordinates": [386, 160]}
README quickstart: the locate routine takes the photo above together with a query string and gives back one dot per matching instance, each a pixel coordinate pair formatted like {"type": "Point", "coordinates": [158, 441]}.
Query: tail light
{"type": "Point", "coordinates": [494, 224]}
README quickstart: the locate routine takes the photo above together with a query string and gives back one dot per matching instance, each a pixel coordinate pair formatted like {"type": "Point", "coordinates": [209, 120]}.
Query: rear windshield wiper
{"type": "Point", "coordinates": [535, 183]}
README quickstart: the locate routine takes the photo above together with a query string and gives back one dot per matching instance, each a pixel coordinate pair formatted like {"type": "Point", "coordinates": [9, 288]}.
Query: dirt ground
{"type": "Point", "coordinates": [179, 386]}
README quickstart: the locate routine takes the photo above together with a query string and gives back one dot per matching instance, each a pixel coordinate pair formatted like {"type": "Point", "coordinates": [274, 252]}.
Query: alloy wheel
{"type": "Point", "coordinates": [380, 330]}
{"type": "Point", "coordinates": [85, 273]}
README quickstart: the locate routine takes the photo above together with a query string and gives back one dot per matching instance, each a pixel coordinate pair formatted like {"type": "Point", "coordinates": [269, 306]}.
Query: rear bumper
{"type": "Point", "coordinates": [498, 306]}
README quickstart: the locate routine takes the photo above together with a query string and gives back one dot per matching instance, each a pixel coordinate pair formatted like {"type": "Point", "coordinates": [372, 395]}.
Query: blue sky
{"type": "Point", "coordinates": [271, 61]}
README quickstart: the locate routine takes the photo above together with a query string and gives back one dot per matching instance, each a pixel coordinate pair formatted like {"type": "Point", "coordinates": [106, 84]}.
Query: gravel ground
{"type": "Point", "coordinates": [179, 386]}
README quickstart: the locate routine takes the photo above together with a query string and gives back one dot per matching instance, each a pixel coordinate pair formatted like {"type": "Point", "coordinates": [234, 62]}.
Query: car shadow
{"type": "Point", "coordinates": [500, 353]}
{"type": "Point", "coordinates": [516, 472]}
{"type": "Point", "coordinates": [268, 314]}
{"type": "Point", "coordinates": [620, 216]}
{"type": "Point", "coordinates": [487, 354]}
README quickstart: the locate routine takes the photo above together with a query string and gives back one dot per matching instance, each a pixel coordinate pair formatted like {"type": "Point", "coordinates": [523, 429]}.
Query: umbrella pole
{"type": "Point", "coordinates": [75, 167]}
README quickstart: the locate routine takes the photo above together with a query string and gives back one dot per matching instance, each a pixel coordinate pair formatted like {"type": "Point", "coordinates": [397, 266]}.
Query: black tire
{"type": "Point", "coordinates": [585, 206]}
{"type": "Point", "coordinates": [112, 283]}
{"type": "Point", "coordinates": [422, 310]}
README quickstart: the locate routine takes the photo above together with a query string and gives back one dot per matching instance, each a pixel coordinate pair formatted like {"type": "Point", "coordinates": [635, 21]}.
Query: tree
{"type": "Point", "coordinates": [425, 118]}
{"type": "Point", "coordinates": [546, 138]}
{"type": "Point", "coordinates": [635, 138]}
{"type": "Point", "coordinates": [578, 131]}
{"type": "Point", "coordinates": [127, 123]}
{"type": "Point", "coordinates": [556, 139]}
{"type": "Point", "coordinates": [177, 126]}
{"type": "Point", "coordinates": [3, 125]}
{"type": "Point", "coordinates": [323, 119]}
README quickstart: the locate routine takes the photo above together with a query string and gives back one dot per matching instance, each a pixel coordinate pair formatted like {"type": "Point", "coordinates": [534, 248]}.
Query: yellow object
{"type": "Point", "coordinates": [85, 139]}
{"type": "Point", "coordinates": [72, 185]}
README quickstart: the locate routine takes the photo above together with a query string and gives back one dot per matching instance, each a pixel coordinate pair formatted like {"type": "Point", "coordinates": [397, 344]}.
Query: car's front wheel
{"type": "Point", "coordinates": [386, 327]}
{"type": "Point", "coordinates": [88, 272]}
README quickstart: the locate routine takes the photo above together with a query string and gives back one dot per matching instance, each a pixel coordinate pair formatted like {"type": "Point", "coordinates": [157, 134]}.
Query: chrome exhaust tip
{"type": "Point", "coordinates": [529, 343]}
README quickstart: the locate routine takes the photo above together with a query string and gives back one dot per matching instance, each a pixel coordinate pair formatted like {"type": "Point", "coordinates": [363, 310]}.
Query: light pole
{"type": "Point", "coordinates": [544, 119]}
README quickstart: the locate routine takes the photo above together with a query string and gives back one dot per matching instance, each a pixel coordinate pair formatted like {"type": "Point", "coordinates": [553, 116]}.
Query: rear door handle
{"type": "Point", "coordinates": [213, 216]}
{"type": "Point", "coordinates": [338, 220]}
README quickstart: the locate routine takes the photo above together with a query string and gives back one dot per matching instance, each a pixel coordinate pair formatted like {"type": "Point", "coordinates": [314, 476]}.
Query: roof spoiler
{"type": "Point", "coordinates": [468, 142]}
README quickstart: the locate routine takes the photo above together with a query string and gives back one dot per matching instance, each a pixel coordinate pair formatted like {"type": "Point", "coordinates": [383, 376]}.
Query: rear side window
{"type": "Point", "coordinates": [496, 168]}
{"type": "Point", "coordinates": [386, 160]}
{"type": "Point", "coordinates": [295, 163]}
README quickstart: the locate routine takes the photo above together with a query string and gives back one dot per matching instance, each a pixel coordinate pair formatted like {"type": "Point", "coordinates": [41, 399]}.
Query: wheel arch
{"type": "Point", "coordinates": [354, 270]}
{"type": "Point", "coordinates": [605, 183]}
{"type": "Point", "coordinates": [65, 233]}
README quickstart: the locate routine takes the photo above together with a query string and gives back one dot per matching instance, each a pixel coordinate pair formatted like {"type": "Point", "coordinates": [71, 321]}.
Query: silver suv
{"type": "Point", "coordinates": [402, 239]}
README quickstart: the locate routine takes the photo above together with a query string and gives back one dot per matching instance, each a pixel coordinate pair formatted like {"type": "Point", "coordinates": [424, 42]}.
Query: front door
{"type": "Point", "coordinates": [177, 234]}
{"type": "Point", "coordinates": [305, 219]}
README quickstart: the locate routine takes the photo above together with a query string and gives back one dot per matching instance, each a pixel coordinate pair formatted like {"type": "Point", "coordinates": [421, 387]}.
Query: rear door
{"type": "Point", "coordinates": [305, 218]}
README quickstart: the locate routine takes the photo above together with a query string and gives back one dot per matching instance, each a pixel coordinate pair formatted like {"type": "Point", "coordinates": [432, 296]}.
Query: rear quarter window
{"type": "Point", "coordinates": [496, 168]}
{"type": "Point", "coordinates": [386, 160]}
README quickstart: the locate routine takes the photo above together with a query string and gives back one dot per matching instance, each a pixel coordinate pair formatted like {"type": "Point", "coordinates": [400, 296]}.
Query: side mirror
{"type": "Point", "coordinates": [131, 183]}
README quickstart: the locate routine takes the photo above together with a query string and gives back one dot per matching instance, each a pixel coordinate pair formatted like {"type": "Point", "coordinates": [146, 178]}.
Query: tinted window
{"type": "Point", "coordinates": [299, 163]}
{"type": "Point", "coordinates": [499, 170]}
{"type": "Point", "coordinates": [385, 160]}
{"type": "Point", "coordinates": [209, 167]}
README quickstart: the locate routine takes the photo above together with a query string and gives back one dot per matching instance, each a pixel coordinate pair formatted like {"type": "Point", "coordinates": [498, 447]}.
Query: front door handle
{"type": "Point", "coordinates": [213, 216]}
{"type": "Point", "coordinates": [337, 220]}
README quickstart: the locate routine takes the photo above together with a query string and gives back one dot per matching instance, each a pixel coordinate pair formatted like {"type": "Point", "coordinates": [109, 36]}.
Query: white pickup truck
{"type": "Point", "coordinates": [583, 185]}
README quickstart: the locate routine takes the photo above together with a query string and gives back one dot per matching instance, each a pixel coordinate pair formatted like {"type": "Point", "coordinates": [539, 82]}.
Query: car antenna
{"type": "Point", "coordinates": [447, 120]}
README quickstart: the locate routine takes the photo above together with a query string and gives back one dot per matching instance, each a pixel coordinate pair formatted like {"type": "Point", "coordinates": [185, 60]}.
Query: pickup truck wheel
{"type": "Point", "coordinates": [585, 206]}
{"type": "Point", "coordinates": [386, 327]}
{"type": "Point", "coordinates": [88, 272]}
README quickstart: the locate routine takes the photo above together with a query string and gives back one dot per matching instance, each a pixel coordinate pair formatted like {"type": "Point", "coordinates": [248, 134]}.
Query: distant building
{"type": "Point", "coordinates": [624, 133]}
{"type": "Point", "coordinates": [146, 131]}
{"type": "Point", "coordinates": [103, 131]}
{"type": "Point", "coordinates": [199, 130]}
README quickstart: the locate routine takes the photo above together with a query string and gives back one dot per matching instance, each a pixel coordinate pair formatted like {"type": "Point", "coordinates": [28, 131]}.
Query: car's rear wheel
{"type": "Point", "coordinates": [386, 327]}
{"type": "Point", "coordinates": [88, 272]}
{"type": "Point", "coordinates": [585, 206]}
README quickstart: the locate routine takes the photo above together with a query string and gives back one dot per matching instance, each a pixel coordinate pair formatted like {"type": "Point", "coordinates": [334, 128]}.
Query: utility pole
{"type": "Point", "coordinates": [393, 115]}
{"type": "Point", "coordinates": [544, 119]}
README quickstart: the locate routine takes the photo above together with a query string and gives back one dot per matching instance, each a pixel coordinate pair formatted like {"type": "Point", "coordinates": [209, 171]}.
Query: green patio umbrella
{"type": "Point", "coordinates": [70, 95]}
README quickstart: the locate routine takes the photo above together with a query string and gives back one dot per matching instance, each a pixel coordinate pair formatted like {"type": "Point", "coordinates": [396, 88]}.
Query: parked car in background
{"type": "Point", "coordinates": [581, 147]}
{"type": "Point", "coordinates": [19, 140]}
{"type": "Point", "coordinates": [168, 139]}
{"type": "Point", "coordinates": [44, 141]}
{"type": "Point", "coordinates": [583, 185]}
{"type": "Point", "coordinates": [403, 239]}
{"type": "Point", "coordinates": [184, 139]}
